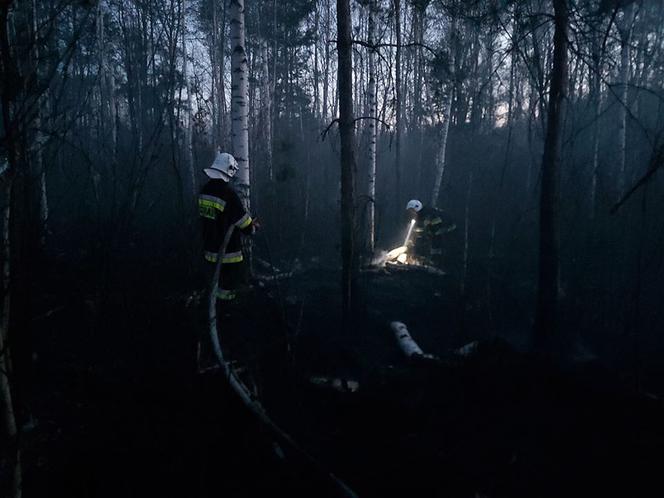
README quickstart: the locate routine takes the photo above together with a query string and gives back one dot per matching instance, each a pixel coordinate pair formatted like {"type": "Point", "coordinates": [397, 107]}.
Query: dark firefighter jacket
{"type": "Point", "coordinates": [223, 215]}
{"type": "Point", "coordinates": [429, 230]}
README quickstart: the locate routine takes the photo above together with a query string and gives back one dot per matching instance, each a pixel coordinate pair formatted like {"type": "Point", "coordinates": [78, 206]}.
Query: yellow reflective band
{"type": "Point", "coordinates": [437, 220]}
{"type": "Point", "coordinates": [243, 222]}
{"type": "Point", "coordinates": [207, 204]}
{"type": "Point", "coordinates": [211, 256]}
{"type": "Point", "coordinates": [233, 257]}
{"type": "Point", "coordinates": [207, 212]}
{"type": "Point", "coordinates": [225, 295]}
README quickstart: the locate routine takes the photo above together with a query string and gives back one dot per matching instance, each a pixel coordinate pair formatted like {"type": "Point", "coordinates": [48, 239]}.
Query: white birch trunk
{"type": "Point", "coordinates": [445, 128]}
{"type": "Point", "coordinates": [214, 63]}
{"type": "Point", "coordinates": [239, 98]}
{"type": "Point", "coordinates": [442, 151]}
{"type": "Point", "coordinates": [373, 134]}
{"type": "Point", "coordinates": [406, 343]}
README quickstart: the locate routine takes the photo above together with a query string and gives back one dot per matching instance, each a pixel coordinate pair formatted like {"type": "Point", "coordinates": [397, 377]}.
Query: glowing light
{"type": "Point", "coordinates": [402, 258]}
{"type": "Point", "coordinates": [410, 231]}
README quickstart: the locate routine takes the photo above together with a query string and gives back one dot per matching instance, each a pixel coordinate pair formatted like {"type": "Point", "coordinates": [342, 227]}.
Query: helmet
{"type": "Point", "coordinates": [415, 205]}
{"type": "Point", "coordinates": [223, 168]}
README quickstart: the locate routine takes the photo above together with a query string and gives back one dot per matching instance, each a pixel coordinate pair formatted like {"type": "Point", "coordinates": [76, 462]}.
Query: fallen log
{"type": "Point", "coordinates": [407, 344]}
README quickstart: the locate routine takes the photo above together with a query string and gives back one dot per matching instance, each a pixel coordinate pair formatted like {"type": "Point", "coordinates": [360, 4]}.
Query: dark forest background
{"type": "Point", "coordinates": [111, 108]}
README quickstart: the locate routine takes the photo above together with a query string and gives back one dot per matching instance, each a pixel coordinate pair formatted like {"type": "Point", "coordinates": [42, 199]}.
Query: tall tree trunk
{"type": "Point", "coordinates": [506, 161]}
{"type": "Point", "coordinates": [189, 136]}
{"type": "Point", "coordinates": [9, 77]}
{"type": "Point", "coordinates": [38, 142]}
{"type": "Point", "coordinates": [597, 106]}
{"type": "Point", "coordinates": [373, 134]}
{"type": "Point", "coordinates": [12, 451]}
{"type": "Point", "coordinates": [267, 108]}
{"type": "Point", "coordinates": [346, 126]}
{"type": "Point", "coordinates": [546, 315]}
{"type": "Point", "coordinates": [625, 30]}
{"type": "Point", "coordinates": [326, 62]}
{"type": "Point", "coordinates": [397, 101]}
{"type": "Point", "coordinates": [316, 71]}
{"type": "Point", "coordinates": [447, 118]}
{"type": "Point", "coordinates": [214, 80]}
{"type": "Point", "coordinates": [221, 139]}
{"type": "Point", "coordinates": [240, 107]}
{"type": "Point", "coordinates": [466, 231]}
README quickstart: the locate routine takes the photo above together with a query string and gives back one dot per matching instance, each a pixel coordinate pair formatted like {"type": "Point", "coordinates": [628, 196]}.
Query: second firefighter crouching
{"type": "Point", "coordinates": [426, 242]}
{"type": "Point", "coordinates": [225, 221]}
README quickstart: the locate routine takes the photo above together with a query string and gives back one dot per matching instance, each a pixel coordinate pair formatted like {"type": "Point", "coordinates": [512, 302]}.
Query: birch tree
{"type": "Point", "coordinates": [446, 115]}
{"type": "Point", "coordinates": [397, 99]}
{"type": "Point", "coordinates": [372, 125]}
{"type": "Point", "coordinates": [240, 98]}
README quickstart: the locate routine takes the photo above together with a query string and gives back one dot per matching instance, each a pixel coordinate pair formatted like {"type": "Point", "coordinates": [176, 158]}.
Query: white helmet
{"type": "Point", "coordinates": [415, 205]}
{"type": "Point", "coordinates": [223, 168]}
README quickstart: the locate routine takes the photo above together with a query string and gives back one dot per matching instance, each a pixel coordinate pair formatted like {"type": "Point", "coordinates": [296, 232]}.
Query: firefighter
{"type": "Point", "coordinates": [426, 243]}
{"type": "Point", "coordinates": [225, 220]}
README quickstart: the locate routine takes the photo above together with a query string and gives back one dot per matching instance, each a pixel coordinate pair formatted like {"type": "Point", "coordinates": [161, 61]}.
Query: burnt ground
{"type": "Point", "coordinates": [119, 408]}
{"type": "Point", "coordinates": [500, 423]}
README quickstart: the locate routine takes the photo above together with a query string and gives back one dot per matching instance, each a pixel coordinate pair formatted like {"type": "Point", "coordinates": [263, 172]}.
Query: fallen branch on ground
{"type": "Point", "coordinates": [407, 344]}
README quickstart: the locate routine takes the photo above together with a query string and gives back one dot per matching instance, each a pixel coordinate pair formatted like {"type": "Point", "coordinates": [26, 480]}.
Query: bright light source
{"type": "Point", "coordinates": [402, 258]}
{"type": "Point", "coordinates": [410, 231]}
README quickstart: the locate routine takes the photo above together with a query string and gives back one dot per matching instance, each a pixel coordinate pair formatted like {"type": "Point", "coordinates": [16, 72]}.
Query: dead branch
{"type": "Point", "coordinates": [324, 134]}
{"type": "Point", "coordinates": [656, 162]}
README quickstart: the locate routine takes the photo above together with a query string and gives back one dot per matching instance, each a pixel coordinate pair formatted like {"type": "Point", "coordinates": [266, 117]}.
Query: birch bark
{"type": "Point", "coordinates": [373, 133]}
{"type": "Point", "coordinates": [447, 117]}
{"type": "Point", "coordinates": [239, 97]}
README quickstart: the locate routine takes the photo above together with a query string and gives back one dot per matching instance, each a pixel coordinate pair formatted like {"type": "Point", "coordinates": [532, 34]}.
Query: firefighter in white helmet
{"type": "Point", "coordinates": [225, 220]}
{"type": "Point", "coordinates": [426, 244]}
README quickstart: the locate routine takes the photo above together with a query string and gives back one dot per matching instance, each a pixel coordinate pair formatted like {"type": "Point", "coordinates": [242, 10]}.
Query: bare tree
{"type": "Point", "coordinates": [188, 136]}
{"type": "Point", "coordinates": [349, 255]}
{"type": "Point", "coordinates": [625, 28]}
{"type": "Point", "coordinates": [546, 315]}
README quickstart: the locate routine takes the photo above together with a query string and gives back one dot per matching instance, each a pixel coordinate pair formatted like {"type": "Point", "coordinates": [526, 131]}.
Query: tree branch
{"type": "Point", "coordinates": [371, 117]}
{"type": "Point", "coordinates": [656, 162]}
{"type": "Point", "coordinates": [324, 134]}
